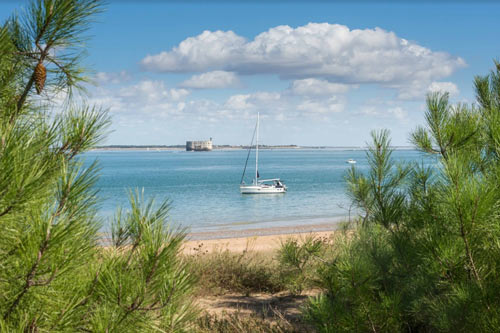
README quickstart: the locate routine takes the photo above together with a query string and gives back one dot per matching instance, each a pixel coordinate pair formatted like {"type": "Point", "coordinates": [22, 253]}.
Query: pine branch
{"type": "Point", "coordinates": [43, 54]}
{"type": "Point", "coordinates": [30, 276]}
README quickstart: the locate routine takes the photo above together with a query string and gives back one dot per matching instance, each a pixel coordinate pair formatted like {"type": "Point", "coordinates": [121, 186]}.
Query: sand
{"type": "Point", "coordinates": [252, 243]}
{"type": "Point", "coordinates": [262, 240]}
{"type": "Point", "coordinates": [271, 308]}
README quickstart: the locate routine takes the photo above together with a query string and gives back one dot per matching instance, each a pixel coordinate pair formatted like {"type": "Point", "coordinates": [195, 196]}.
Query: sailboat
{"type": "Point", "coordinates": [260, 186]}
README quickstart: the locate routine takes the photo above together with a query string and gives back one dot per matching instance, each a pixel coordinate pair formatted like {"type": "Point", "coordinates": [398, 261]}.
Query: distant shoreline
{"type": "Point", "coordinates": [229, 147]}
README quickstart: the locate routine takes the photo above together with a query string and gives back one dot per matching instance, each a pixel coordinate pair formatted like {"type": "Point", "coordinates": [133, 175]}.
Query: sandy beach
{"type": "Point", "coordinates": [262, 240]}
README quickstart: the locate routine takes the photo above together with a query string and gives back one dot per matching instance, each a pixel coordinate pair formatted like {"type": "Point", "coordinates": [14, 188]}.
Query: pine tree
{"type": "Point", "coordinates": [55, 275]}
{"type": "Point", "coordinates": [426, 255]}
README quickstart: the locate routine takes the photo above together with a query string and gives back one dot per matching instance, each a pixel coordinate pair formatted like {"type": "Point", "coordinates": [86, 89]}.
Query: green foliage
{"type": "Point", "coordinates": [223, 271]}
{"type": "Point", "coordinates": [426, 257]}
{"type": "Point", "coordinates": [377, 194]}
{"type": "Point", "coordinates": [298, 259]}
{"type": "Point", "coordinates": [143, 283]}
{"type": "Point", "coordinates": [55, 275]}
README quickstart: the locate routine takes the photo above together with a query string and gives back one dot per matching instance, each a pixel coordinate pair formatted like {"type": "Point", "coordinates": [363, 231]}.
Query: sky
{"type": "Point", "coordinates": [320, 73]}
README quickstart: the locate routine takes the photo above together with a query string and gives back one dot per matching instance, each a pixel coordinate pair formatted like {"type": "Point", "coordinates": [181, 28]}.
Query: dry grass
{"type": "Point", "coordinates": [237, 323]}
{"type": "Point", "coordinates": [258, 291]}
{"type": "Point", "coordinates": [221, 271]}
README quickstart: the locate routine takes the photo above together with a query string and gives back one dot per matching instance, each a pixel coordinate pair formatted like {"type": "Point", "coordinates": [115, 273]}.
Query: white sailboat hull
{"type": "Point", "coordinates": [260, 186]}
{"type": "Point", "coordinates": [261, 189]}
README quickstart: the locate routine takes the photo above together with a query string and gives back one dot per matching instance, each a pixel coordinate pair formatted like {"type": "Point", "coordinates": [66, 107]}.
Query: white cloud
{"type": "Point", "coordinates": [398, 113]}
{"type": "Point", "coordinates": [316, 50]}
{"type": "Point", "coordinates": [304, 99]}
{"type": "Point", "coordinates": [151, 91]}
{"type": "Point", "coordinates": [417, 89]}
{"type": "Point", "coordinates": [369, 111]}
{"type": "Point", "coordinates": [238, 102]}
{"type": "Point", "coordinates": [317, 87]}
{"type": "Point", "coordinates": [145, 98]}
{"type": "Point", "coordinates": [209, 50]}
{"type": "Point", "coordinates": [382, 112]}
{"type": "Point", "coordinates": [283, 105]}
{"type": "Point", "coordinates": [260, 99]}
{"type": "Point", "coordinates": [212, 80]}
{"type": "Point", "coordinates": [177, 94]}
{"type": "Point", "coordinates": [265, 97]}
{"type": "Point", "coordinates": [449, 87]}
{"type": "Point", "coordinates": [112, 77]}
{"type": "Point", "coordinates": [330, 105]}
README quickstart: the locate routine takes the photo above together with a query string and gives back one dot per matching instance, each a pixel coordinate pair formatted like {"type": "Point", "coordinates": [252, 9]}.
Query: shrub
{"type": "Point", "coordinates": [426, 255]}
{"type": "Point", "coordinates": [298, 259]}
{"type": "Point", "coordinates": [224, 271]}
{"type": "Point", "coordinates": [54, 273]}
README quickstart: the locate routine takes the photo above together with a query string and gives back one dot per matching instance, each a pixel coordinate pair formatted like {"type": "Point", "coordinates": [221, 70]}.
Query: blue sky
{"type": "Point", "coordinates": [319, 73]}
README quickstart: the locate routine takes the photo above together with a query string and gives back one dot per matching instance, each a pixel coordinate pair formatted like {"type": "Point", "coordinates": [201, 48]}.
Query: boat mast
{"type": "Point", "coordinates": [257, 152]}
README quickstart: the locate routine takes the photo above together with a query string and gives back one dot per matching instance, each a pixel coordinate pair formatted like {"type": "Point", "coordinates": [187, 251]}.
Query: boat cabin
{"type": "Point", "coordinates": [275, 182]}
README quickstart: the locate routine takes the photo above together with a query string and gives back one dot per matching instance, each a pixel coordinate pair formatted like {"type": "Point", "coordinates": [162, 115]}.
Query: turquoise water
{"type": "Point", "coordinates": [204, 186]}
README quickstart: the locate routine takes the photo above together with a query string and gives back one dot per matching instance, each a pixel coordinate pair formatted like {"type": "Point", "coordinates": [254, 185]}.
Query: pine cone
{"type": "Point", "coordinates": [40, 76]}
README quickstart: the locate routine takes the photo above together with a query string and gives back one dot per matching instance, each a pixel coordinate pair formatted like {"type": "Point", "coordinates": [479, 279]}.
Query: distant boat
{"type": "Point", "coordinates": [351, 161]}
{"type": "Point", "coordinates": [264, 186]}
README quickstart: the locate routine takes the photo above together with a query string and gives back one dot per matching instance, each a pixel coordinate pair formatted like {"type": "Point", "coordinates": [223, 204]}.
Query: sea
{"type": "Point", "coordinates": [203, 187]}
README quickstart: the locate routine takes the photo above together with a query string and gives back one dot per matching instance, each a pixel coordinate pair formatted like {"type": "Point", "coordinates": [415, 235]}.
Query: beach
{"type": "Point", "coordinates": [259, 240]}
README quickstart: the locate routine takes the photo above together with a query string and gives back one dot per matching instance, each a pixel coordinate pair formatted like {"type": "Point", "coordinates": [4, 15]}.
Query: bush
{"type": "Point", "coordinates": [298, 259]}
{"type": "Point", "coordinates": [426, 255]}
{"type": "Point", "coordinates": [54, 274]}
{"type": "Point", "coordinates": [224, 271]}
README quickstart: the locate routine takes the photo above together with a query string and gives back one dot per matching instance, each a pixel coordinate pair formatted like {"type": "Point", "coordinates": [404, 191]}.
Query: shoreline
{"type": "Point", "coordinates": [258, 240]}
{"type": "Point", "coordinates": [231, 148]}
{"type": "Point", "coordinates": [229, 236]}
{"type": "Point", "coordinates": [331, 225]}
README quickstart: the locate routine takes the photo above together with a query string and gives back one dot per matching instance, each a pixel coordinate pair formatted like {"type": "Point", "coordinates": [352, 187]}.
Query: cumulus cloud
{"type": "Point", "coordinates": [209, 50]}
{"type": "Point", "coordinates": [316, 50]}
{"type": "Point", "coordinates": [398, 113]}
{"type": "Point", "coordinates": [449, 87]}
{"type": "Point", "coordinates": [152, 91]}
{"type": "Point", "coordinates": [258, 99]}
{"type": "Point", "coordinates": [265, 97]}
{"type": "Point", "coordinates": [330, 105]}
{"type": "Point", "coordinates": [144, 97]}
{"type": "Point", "coordinates": [369, 111]}
{"type": "Point", "coordinates": [418, 89]}
{"type": "Point", "coordinates": [317, 87]}
{"type": "Point", "coordinates": [112, 77]}
{"type": "Point", "coordinates": [212, 80]}
{"type": "Point", "coordinates": [238, 102]}
{"type": "Point", "coordinates": [284, 104]}
{"type": "Point", "coordinates": [411, 90]}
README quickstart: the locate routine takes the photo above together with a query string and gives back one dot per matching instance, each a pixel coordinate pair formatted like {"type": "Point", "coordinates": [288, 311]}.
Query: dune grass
{"type": "Point", "coordinates": [238, 323]}
{"type": "Point", "coordinates": [222, 271]}
{"type": "Point", "coordinates": [286, 272]}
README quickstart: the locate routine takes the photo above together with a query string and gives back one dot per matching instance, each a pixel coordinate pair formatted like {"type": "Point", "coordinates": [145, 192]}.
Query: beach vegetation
{"type": "Point", "coordinates": [57, 273]}
{"type": "Point", "coordinates": [298, 260]}
{"type": "Point", "coordinates": [240, 323]}
{"type": "Point", "coordinates": [425, 255]}
{"type": "Point", "coordinates": [222, 271]}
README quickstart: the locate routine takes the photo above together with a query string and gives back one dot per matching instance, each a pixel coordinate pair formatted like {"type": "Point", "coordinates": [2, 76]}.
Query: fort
{"type": "Point", "coordinates": [199, 145]}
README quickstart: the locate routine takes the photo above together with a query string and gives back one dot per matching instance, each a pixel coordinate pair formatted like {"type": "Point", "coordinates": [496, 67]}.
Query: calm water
{"type": "Point", "coordinates": [203, 186]}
